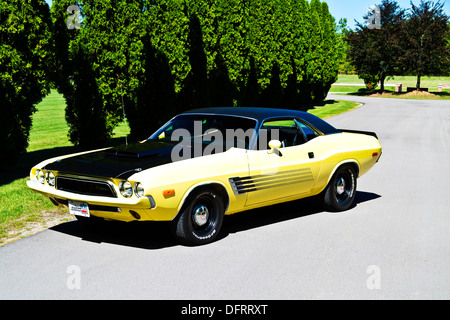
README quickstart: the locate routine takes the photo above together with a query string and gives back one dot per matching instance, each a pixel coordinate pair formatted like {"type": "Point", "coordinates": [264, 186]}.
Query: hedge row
{"type": "Point", "coordinates": [161, 57]}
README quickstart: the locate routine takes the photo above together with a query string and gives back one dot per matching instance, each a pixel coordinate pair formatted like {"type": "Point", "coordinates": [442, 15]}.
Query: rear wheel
{"type": "Point", "coordinates": [341, 190]}
{"type": "Point", "coordinates": [200, 220]}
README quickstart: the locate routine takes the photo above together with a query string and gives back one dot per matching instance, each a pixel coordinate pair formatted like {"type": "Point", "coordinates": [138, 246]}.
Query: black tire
{"type": "Point", "coordinates": [200, 220]}
{"type": "Point", "coordinates": [341, 190]}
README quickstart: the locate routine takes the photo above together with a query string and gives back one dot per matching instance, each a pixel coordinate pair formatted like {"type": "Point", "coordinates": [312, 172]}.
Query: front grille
{"type": "Point", "coordinates": [85, 186]}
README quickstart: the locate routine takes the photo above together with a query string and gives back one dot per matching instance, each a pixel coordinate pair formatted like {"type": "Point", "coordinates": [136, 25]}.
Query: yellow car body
{"type": "Point", "coordinates": [241, 177]}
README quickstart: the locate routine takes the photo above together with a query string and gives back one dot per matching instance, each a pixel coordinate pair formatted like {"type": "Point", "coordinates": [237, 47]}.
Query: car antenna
{"type": "Point", "coordinates": [124, 116]}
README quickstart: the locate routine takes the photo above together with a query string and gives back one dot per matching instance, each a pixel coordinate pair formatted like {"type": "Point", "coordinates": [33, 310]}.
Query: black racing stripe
{"type": "Point", "coordinates": [274, 180]}
{"type": "Point", "coordinates": [280, 177]}
{"type": "Point", "coordinates": [281, 182]}
{"type": "Point", "coordinates": [238, 179]}
{"type": "Point", "coordinates": [247, 184]}
{"type": "Point", "coordinates": [288, 172]}
{"type": "Point", "coordinates": [121, 162]}
{"type": "Point", "coordinates": [241, 183]}
{"type": "Point", "coordinates": [281, 173]}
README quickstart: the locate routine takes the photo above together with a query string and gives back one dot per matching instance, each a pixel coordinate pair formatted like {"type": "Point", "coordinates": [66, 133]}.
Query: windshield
{"type": "Point", "coordinates": [228, 131]}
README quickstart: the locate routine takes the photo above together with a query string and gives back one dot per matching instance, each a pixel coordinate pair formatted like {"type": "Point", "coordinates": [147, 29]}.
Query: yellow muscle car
{"type": "Point", "coordinates": [206, 163]}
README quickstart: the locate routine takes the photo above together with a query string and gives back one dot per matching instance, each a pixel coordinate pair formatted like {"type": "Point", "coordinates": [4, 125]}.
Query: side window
{"type": "Point", "coordinates": [286, 131]}
{"type": "Point", "coordinates": [309, 134]}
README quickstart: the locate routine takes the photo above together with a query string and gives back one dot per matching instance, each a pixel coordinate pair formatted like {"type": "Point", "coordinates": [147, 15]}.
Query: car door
{"type": "Point", "coordinates": [289, 170]}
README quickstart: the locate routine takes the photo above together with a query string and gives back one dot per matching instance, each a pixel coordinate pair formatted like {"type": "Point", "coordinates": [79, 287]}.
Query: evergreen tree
{"type": "Point", "coordinates": [26, 56]}
{"type": "Point", "coordinates": [194, 93]}
{"type": "Point", "coordinates": [155, 97]}
{"type": "Point", "coordinates": [85, 112]}
{"type": "Point", "coordinates": [103, 57]}
{"type": "Point", "coordinates": [324, 55]}
{"type": "Point", "coordinates": [164, 56]}
{"type": "Point", "coordinates": [221, 89]}
{"type": "Point", "coordinates": [249, 92]}
{"type": "Point", "coordinates": [166, 22]}
{"type": "Point", "coordinates": [232, 46]}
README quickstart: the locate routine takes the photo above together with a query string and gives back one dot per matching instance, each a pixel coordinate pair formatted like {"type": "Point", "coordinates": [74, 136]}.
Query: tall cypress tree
{"type": "Point", "coordinates": [232, 45]}
{"type": "Point", "coordinates": [329, 66]}
{"type": "Point", "coordinates": [26, 57]}
{"type": "Point", "coordinates": [194, 93]}
{"type": "Point", "coordinates": [155, 97]}
{"type": "Point", "coordinates": [167, 24]}
{"type": "Point", "coordinates": [110, 66]}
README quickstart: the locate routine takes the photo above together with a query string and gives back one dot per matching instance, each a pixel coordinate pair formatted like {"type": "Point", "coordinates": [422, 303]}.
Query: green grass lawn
{"type": "Point", "coordinates": [347, 84]}
{"type": "Point", "coordinates": [349, 88]}
{"type": "Point", "coordinates": [48, 138]}
{"type": "Point", "coordinates": [49, 124]}
{"type": "Point", "coordinates": [407, 81]}
{"type": "Point", "coordinates": [332, 108]}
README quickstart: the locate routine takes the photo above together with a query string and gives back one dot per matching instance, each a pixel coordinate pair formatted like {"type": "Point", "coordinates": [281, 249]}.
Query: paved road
{"type": "Point", "coordinates": [394, 244]}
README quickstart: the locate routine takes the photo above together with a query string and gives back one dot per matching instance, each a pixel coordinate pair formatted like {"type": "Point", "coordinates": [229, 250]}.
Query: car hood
{"type": "Point", "coordinates": [119, 162]}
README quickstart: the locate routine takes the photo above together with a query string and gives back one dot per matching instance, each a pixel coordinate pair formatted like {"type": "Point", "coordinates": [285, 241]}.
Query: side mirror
{"type": "Point", "coordinates": [274, 144]}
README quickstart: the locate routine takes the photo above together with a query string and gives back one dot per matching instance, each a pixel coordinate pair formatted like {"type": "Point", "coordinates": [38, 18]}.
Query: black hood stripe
{"type": "Point", "coordinates": [118, 163]}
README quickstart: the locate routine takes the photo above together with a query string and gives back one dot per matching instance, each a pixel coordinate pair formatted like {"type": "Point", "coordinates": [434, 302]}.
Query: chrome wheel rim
{"type": "Point", "coordinates": [344, 186]}
{"type": "Point", "coordinates": [340, 186]}
{"type": "Point", "coordinates": [200, 215]}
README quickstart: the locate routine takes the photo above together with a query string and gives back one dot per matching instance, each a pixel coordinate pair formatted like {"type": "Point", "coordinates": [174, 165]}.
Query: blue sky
{"type": "Point", "coordinates": [356, 9]}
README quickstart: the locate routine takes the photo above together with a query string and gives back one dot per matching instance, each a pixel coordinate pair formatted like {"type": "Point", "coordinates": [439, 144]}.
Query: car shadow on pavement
{"type": "Point", "coordinates": [143, 235]}
{"type": "Point", "coordinates": [282, 212]}
{"type": "Point", "coordinates": [157, 235]}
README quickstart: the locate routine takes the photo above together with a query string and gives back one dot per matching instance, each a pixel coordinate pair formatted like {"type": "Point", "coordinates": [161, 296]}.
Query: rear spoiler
{"type": "Point", "coordinates": [373, 134]}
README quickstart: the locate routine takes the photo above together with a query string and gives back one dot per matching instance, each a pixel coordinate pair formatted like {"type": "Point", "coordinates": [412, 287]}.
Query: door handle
{"type": "Point", "coordinates": [311, 155]}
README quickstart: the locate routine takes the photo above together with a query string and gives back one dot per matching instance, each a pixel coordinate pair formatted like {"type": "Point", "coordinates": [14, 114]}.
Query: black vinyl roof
{"type": "Point", "coordinates": [261, 114]}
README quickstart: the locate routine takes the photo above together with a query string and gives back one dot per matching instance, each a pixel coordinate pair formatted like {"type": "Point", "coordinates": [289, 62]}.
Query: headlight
{"type": "Point", "coordinates": [40, 176]}
{"type": "Point", "coordinates": [50, 177]}
{"type": "Point", "coordinates": [126, 189]}
{"type": "Point", "coordinates": [139, 190]}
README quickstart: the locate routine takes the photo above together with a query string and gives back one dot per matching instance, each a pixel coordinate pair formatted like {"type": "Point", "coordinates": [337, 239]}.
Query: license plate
{"type": "Point", "coordinates": [79, 208]}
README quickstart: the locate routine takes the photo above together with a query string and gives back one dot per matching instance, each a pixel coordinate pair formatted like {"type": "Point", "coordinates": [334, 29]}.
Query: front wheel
{"type": "Point", "coordinates": [200, 220]}
{"type": "Point", "coordinates": [341, 190]}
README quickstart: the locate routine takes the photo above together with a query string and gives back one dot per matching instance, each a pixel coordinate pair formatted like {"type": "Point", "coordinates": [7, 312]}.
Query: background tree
{"type": "Point", "coordinates": [426, 35]}
{"type": "Point", "coordinates": [62, 36]}
{"type": "Point", "coordinates": [375, 52]}
{"type": "Point", "coordinates": [194, 93]}
{"type": "Point", "coordinates": [249, 91]}
{"type": "Point", "coordinates": [85, 112]}
{"type": "Point", "coordinates": [166, 22]}
{"type": "Point", "coordinates": [155, 97]}
{"type": "Point", "coordinates": [103, 58]}
{"type": "Point", "coordinates": [342, 30]}
{"type": "Point", "coordinates": [26, 56]}
{"type": "Point", "coordinates": [232, 48]}
{"type": "Point", "coordinates": [221, 89]}
{"type": "Point", "coordinates": [326, 56]}
{"type": "Point", "coordinates": [163, 57]}
{"type": "Point", "coordinates": [294, 47]}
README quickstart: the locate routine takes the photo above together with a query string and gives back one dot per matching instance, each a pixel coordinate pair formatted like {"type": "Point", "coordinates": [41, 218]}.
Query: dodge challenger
{"type": "Point", "coordinates": [210, 162]}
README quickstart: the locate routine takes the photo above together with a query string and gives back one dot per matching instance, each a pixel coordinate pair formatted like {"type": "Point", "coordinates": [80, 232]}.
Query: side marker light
{"type": "Point", "coordinates": [169, 193]}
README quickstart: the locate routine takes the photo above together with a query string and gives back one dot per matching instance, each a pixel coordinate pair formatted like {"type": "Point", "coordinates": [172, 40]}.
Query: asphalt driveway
{"type": "Point", "coordinates": [393, 244]}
